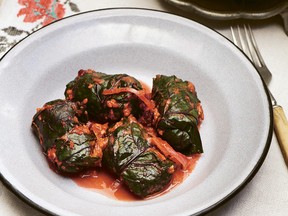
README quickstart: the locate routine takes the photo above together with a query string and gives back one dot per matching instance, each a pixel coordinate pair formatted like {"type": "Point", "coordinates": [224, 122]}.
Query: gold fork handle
{"type": "Point", "coordinates": [281, 130]}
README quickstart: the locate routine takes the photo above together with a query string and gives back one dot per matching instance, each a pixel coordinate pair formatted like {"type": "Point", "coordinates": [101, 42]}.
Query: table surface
{"type": "Point", "coordinates": [267, 193]}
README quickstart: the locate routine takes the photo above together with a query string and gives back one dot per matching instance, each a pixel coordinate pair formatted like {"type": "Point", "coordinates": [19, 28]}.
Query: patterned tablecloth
{"type": "Point", "coordinates": [19, 18]}
{"type": "Point", "coordinates": [27, 16]}
{"type": "Point", "coordinates": [267, 193]}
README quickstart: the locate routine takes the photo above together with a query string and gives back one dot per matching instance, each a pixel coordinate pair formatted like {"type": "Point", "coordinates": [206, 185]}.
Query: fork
{"type": "Point", "coordinates": [243, 37]}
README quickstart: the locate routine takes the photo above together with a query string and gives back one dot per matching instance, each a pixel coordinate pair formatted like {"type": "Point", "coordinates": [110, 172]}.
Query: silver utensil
{"type": "Point", "coordinates": [243, 38]}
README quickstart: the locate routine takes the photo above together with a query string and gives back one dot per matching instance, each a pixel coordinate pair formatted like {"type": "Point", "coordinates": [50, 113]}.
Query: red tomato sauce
{"type": "Point", "coordinates": [103, 182]}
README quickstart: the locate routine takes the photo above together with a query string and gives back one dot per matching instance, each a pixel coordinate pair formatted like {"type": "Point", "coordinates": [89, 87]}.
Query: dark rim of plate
{"type": "Point", "coordinates": [259, 163]}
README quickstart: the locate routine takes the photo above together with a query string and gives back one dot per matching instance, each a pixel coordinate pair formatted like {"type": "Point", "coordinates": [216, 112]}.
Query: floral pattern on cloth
{"type": "Point", "coordinates": [37, 12]}
{"type": "Point", "coordinates": [46, 10]}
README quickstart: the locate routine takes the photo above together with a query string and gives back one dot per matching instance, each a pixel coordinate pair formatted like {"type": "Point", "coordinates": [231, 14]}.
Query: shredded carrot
{"type": "Point", "coordinates": [139, 93]}
{"type": "Point", "coordinates": [169, 152]}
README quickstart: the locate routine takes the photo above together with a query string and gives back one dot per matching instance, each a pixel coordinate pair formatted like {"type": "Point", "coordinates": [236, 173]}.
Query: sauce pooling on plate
{"type": "Point", "coordinates": [106, 184]}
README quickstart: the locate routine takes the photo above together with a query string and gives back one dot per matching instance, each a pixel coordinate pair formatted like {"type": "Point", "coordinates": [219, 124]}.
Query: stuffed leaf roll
{"type": "Point", "coordinates": [138, 163]}
{"type": "Point", "coordinates": [54, 119]}
{"type": "Point", "coordinates": [126, 140]}
{"type": "Point", "coordinates": [180, 113]}
{"type": "Point", "coordinates": [111, 105]}
{"type": "Point", "coordinates": [76, 151]}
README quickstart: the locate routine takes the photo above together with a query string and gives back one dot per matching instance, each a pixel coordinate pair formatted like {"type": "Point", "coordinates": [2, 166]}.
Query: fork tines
{"type": "Point", "coordinates": [243, 37]}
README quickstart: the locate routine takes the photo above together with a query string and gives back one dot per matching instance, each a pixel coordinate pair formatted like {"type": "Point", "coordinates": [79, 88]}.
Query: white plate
{"type": "Point", "coordinates": [236, 132]}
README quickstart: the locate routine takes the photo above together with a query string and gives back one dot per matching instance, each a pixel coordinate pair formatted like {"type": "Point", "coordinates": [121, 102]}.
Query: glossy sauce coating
{"type": "Point", "coordinates": [103, 182]}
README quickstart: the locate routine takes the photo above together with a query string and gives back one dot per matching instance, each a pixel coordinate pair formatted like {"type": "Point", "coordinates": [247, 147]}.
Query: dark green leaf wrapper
{"type": "Point", "coordinates": [130, 156]}
{"type": "Point", "coordinates": [147, 174]}
{"type": "Point", "coordinates": [125, 143]}
{"type": "Point", "coordinates": [75, 151]}
{"type": "Point", "coordinates": [177, 105]}
{"type": "Point", "coordinates": [55, 119]}
{"type": "Point", "coordinates": [89, 85]}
